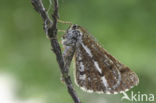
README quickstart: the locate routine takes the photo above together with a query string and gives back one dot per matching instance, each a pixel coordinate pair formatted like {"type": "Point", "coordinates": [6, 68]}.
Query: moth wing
{"type": "Point", "coordinates": [98, 71]}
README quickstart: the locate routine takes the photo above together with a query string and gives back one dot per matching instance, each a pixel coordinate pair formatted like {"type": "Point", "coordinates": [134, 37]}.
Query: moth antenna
{"type": "Point", "coordinates": [63, 31]}
{"type": "Point", "coordinates": [64, 22]}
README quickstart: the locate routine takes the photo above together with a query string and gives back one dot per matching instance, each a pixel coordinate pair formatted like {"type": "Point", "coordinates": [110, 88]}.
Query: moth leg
{"type": "Point", "coordinates": [67, 58]}
{"type": "Point", "coordinates": [68, 55]}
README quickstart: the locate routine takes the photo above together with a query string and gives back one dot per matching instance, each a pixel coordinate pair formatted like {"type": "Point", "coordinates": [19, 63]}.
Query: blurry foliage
{"type": "Point", "coordinates": [126, 28]}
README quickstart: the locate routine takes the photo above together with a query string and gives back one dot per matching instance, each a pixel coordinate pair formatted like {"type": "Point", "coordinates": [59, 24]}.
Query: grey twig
{"type": "Point", "coordinates": [50, 27]}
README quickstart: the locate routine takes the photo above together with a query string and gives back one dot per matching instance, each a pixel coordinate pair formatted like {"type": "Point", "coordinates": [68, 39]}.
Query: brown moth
{"type": "Point", "coordinates": [96, 70]}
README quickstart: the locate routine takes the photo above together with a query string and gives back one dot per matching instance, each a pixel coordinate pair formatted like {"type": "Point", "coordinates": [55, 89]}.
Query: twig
{"type": "Point", "coordinates": [50, 28]}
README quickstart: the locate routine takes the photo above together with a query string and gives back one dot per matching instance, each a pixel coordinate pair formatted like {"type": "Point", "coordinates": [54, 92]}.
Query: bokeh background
{"type": "Point", "coordinates": [29, 72]}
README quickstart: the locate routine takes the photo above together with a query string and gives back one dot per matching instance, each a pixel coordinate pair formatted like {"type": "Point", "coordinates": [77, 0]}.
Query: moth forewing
{"type": "Point", "coordinates": [96, 69]}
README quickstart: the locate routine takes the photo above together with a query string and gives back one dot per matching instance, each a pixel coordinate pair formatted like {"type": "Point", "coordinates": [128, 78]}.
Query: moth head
{"type": "Point", "coordinates": [72, 35]}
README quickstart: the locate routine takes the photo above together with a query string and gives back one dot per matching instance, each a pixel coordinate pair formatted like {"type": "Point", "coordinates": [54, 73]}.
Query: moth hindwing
{"type": "Point", "coordinates": [96, 70]}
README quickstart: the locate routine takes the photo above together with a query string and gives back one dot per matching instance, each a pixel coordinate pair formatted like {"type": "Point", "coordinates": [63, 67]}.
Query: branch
{"type": "Point", "coordinates": [50, 28]}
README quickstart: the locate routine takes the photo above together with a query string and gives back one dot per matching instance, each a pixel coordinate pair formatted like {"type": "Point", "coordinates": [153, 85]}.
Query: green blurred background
{"type": "Point", "coordinates": [125, 28]}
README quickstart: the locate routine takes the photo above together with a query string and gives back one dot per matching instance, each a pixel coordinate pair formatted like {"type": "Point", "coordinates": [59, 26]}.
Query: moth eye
{"type": "Point", "coordinates": [74, 26]}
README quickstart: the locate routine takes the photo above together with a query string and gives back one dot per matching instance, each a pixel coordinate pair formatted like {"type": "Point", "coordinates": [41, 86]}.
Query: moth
{"type": "Point", "coordinates": [96, 70]}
